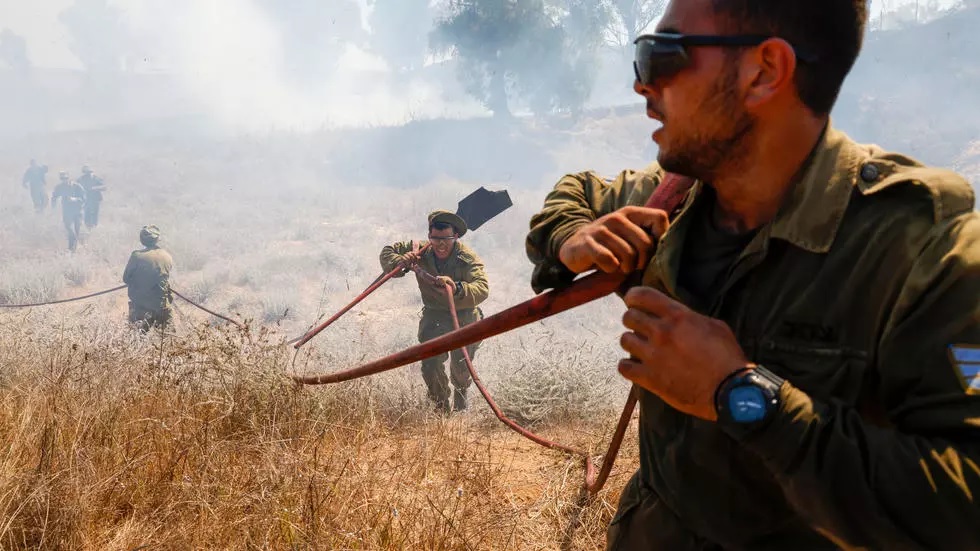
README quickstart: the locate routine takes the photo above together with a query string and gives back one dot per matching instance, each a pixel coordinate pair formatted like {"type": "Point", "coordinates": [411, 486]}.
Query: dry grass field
{"type": "Point", "coordinates": [199, 442]}
{"type": "Point", "coordinates": [198, 439]}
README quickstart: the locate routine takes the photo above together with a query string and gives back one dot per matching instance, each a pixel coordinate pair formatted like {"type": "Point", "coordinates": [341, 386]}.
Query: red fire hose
{"type": "Point", "coordinates": [378, 282]}
{"type": "Point", "coordinates": [592, 484]}
{"type": "Point", "coordinates": [547, 304]}
{"type": "Point", "coordinates": [668, 196]}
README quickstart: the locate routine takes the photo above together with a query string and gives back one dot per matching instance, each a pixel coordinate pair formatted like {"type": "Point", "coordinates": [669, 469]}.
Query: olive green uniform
{"type": "Point", "coordinates": [864, 293]}
{"type": "Point", "coordinates": [34, 179]}
{"type": "Point", "coordinates": [465, 267]}
{"type": "Point", "coordinates": [147, 277]}
{"type": "Point", "coordinates": [94, 188]}
{"type": "Point", "coordinates": [72, 200]}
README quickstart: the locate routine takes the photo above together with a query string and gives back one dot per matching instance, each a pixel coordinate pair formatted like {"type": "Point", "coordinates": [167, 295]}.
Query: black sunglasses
{"type": "Point", "coordinates": [660, 55]}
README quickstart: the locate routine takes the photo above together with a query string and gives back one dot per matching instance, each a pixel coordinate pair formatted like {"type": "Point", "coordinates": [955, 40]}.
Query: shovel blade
{"type": "Point", "coordinates": [482, 205]}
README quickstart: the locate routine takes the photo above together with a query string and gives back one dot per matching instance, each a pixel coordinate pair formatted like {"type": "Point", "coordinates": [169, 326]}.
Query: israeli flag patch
{"type": "Point", "coordinates": [966, 360]}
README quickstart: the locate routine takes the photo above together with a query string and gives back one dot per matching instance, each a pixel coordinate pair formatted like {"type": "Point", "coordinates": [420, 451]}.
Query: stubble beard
{"type": "Point", "coordinates": [704, 156]}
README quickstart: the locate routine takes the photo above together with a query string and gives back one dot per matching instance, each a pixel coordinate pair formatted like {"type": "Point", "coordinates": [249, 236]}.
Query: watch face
{"type": "Point", "coordinates": [747, 404]}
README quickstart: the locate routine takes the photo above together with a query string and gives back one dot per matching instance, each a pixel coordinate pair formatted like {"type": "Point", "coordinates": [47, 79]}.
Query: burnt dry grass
{"type": "Point", "coordinates": [116, 441]}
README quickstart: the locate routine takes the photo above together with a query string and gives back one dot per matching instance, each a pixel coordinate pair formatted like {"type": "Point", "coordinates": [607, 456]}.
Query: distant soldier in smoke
{"type": "Point", "coordinates": [72, 201]}
{"type": "Point", "coordinates": [147, 277]}
{"type": "Point", "coordinates": [456, 264]}
{"type": "Point", "coordinates": [34, 180]}
{"type": "Point", "coordinates": [94, 186]}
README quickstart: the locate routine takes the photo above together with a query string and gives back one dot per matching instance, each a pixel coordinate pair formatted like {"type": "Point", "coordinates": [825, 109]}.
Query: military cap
{"type": "Point", "coordinates": [449, 218]}
{"type": "Point", "coordinates": [86, 169]}
{"type": "Point", "coordinates": [149, 235]}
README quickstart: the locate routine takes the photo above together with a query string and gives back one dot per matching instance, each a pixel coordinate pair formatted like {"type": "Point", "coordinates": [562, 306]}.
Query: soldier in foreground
{"type": "Point", "coordinates": [94, 186]}
{"type": "Point", "coordinates": [72, 201]}
{"type": "Point", "coordinates": [454, 263]}
{"type": "Point", "coordinates": [147, 277]}
{"type": "Point", "coordinates": [806, 334]}
{"type": "Point", "coordinates": [34, 181]}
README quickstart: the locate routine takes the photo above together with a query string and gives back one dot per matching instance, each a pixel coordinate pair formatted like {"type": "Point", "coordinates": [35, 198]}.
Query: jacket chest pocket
{"type": "Point", "coordinates": [824, 372]}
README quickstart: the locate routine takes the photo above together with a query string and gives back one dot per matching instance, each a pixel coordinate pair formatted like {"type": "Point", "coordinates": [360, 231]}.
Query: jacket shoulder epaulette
{"type": "Point", "coordinates": [466, 254]}
{"type": "Point", "coordinates": [951, 194]}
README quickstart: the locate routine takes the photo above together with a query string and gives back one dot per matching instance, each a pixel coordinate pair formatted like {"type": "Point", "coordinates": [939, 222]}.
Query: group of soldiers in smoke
{"type": "Point", "coordinates": [80, 199]}
{"type": "Point", "coordinates": [147, 272]}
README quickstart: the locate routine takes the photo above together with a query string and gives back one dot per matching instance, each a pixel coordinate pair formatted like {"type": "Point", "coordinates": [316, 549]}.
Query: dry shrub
{"type": "Point", "coordinates": [549, 383]}
{"type": "Point", "coordinates": [199, 440]}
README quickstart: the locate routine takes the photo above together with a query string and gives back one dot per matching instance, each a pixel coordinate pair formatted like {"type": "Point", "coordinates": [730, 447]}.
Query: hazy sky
{"type": "Point", "coordinates": [231, 57]}
{"type": "Point", "coordinates": [222, 21]}
{"type": "Point", "coordinates": [225, 22]}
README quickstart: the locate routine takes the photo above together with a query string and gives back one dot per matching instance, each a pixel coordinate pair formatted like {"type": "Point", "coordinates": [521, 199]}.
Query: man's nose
{"type": "Point", "coordinates": [645, 90]}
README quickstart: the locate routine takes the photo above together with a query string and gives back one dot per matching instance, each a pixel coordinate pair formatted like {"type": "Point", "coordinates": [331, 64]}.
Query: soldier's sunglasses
{"type": "Point", "coordinates": [661, 55]}
{"type": "Point", "coordinates": [442, 239]}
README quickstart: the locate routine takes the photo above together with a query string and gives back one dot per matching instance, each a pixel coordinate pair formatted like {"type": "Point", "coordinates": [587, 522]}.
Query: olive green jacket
{"type": "Point", "coordinates": [864, 293]}
{"type": "Point", "coordinates": [72, 198]}
{"type": "Point", "coordinates": [147, 276]}
{"type": "Point", "coordinates": [463, 266]}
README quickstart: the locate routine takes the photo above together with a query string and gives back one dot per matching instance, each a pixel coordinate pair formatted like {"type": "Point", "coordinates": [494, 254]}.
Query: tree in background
{"type": "Point", "coordinates": [628, 18]}
{"type": "Point", "coordinates": [561, 79]}
{"type": "Point", "coordinates": [521, 49]}
{"type": "Point", "coordinates": [13, 52]}
{"type": "Point", "coordinates": [400, 32]}
{"type": "Point", "coordinates": [902, 14]}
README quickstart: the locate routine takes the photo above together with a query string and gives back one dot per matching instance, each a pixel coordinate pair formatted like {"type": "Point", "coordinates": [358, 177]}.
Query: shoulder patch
{"type": "Point", "coordinates": [951, 193]}
{"type": "Point", "coordinates": [466, 254]}
{"type": "Point", "coordinates": [966, 360]}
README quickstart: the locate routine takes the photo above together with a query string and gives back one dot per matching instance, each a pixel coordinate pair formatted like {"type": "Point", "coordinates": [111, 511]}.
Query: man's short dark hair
{"type": "Point", "coordinates": [832, 30]}
{"type": "Point", "coordinates": [442, 226]}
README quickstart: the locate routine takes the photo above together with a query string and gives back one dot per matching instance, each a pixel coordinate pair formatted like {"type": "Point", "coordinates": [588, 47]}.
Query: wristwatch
{"type": "Point", "coordinates": [747, 399]}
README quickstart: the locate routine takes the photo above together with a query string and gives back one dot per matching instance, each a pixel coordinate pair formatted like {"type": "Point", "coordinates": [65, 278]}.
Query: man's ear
{"type": "Point", "coordinates": [768, 71]}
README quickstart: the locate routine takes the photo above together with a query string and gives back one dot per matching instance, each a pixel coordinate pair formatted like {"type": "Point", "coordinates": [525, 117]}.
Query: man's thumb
{"type": "Point", "coordinates": [653, 219]}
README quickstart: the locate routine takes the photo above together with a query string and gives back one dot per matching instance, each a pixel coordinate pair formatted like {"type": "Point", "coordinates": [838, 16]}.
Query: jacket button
{"type": "Point", "coordinates": [869, 172]}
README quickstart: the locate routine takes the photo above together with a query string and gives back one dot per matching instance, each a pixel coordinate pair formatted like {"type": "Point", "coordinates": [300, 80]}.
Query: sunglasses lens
{"type": "Point", "coordinates": [658, 60]}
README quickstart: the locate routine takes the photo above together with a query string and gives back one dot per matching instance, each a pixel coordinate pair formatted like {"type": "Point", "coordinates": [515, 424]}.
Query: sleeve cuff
{"type": "Point", "coordinates": [779, 441]}
{"type": "Point", "coordinates": [562, 234]}
{"type": "Point", "coordinates": [551, 275]}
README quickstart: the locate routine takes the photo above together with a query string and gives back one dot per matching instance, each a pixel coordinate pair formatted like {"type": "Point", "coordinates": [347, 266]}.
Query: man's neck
{"type": "Point", "coordinates": [752, 194]}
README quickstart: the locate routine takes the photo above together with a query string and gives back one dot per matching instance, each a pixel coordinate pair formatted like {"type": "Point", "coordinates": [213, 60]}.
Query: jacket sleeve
{"type": "Point", "coordinates": [576, 200]}
{"type": "Point", "coordinates": [474, 287]}
{"type": "Point", "coordinates": [164, 264]}
{"type": "Point", "coordinates": [916, 484]}
{"type": "Point", "coordinates": [391, 255]}
{"type": "Point", "coordinates": [130, 268]}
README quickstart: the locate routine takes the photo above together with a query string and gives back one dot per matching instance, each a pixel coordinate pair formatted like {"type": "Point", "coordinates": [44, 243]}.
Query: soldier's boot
{"type": "Point", "coordinates": [442, 406]}
{"type": "Point", "coordinates": [459, 399]}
